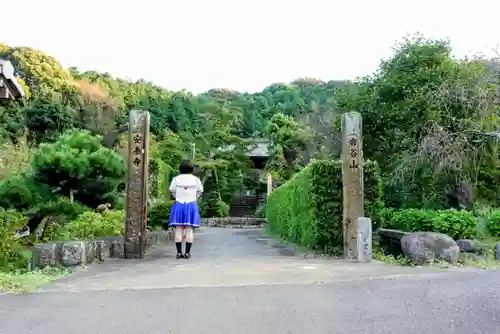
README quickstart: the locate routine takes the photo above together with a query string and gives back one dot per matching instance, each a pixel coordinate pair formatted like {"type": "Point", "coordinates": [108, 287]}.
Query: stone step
{"type": "Point", "coordinates": [235, 222]}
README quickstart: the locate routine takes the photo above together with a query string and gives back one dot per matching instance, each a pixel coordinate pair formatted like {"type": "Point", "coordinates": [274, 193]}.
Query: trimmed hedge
{"type": "Point", "coordinates": [455, 223]}
{"type": "Point", "coordinates": [307, 210]}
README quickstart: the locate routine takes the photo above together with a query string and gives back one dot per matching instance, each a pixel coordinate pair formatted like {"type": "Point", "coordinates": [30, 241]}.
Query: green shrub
{"type": "Point", "coordinates": [90, 225]}
{"type": "Point", "coordinates": [493, 224]}
{"type": "Point", "coordinates": [55, 230]}
{"type": "Point", "coordinates": [412, 220]}
{"type": "Point", "coordinates": [261, 211]}
{"type": "Point", "coordinates": [58, 213]}
{"type": "Point", "coordinates": [159, 215]}
{"type": "Point", "coordinates": [483, 210]}
{"type": "Point", "coordinates": [161, 175]}
{"type": "Point", "coordinates": [307, 210]}
{"type": "Point", "coordinates": [211, 206]}
{"type": "Point", "coordinates": [222, 209]}
{"type": "Point", "coordinates": [455, 223]}
{"type": "Point", "coordinates": [383, 217]}
{"type": "Point", "coordinates": [78, 162]}
{"type": "Point", "coordinates": [17, 191]}
{"type": "Point", "coordinates": [62, 207]}
{"type": "Point", "coordinates": [12, 252]}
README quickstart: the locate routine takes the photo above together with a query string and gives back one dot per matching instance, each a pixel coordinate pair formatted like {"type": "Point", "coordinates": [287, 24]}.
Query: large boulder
{"type": "Point", "coordinates": [424, 247]}
{"type": "Point", "coordinates": [470, 246]}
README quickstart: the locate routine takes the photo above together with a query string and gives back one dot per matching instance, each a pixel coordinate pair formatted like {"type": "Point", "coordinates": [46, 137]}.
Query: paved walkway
{"type": "Point", "coordinates": [224, 257]}
{"type": "Point", "coordinates": [240, 281]}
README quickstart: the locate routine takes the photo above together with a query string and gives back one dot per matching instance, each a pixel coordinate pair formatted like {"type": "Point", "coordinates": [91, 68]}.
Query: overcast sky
{"type": "Point", "coordinates": [241, 44]}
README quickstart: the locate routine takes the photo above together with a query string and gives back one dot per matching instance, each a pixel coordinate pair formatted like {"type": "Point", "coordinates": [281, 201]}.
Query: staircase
{"type": "Point", "coordinates": [244, 206]}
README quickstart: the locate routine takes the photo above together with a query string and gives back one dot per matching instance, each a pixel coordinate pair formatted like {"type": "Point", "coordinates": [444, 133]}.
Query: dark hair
{"type": "Point", "coordinates": [186, 167]}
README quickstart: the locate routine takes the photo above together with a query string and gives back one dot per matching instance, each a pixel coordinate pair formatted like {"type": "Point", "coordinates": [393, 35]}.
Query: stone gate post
{"type": "Point", "coordinates": [352, 178]}
{"type": "Point", "coordinates": [137, 185]}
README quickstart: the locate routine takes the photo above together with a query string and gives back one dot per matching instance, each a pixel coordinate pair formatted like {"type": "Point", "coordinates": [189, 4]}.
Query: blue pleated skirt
{"type": "Point", "coordinates": [185, 214]}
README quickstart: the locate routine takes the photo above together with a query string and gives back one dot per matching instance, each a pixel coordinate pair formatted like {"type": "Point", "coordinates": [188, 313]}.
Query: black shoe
{"type": "Point", "coordinates": [179, 256]}
{"type": "Point", "coordinates": [187, 256]}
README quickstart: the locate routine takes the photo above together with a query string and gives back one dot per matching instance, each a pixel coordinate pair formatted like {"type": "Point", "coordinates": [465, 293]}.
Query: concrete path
{"type": "Point", "coordinates": [240, 281]}
{"type": "Point", "coordinates": [224, 257]}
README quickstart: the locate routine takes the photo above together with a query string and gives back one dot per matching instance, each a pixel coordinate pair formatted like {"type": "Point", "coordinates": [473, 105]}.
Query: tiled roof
{"type": "Point", "coordinates": [259, 149]}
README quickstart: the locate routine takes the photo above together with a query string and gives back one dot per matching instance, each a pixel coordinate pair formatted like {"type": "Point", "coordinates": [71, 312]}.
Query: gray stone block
{"type": "Point", "coordinates": [91, 251]}
{"type": "Point", "coordinates": [103, 249]}
{"type": "Point", "coordinates": [74, 253]}
{"type": "Point", "coordinates": [152, 238]}
{"type": "Point", "coordinates": [163, 237]}
{"type": "Point", "coordinates": [391, 234]}
{"type": "Point", "coordinates": [45, 255]}
{"type": "Point", "coordinates": [237, 222]}
{"type": "Point", "coordinates": [470, 246]}
{"type": "Point", "coordinates": [117, 248]}
{"type": "Point", "coordinates": [159, 237]}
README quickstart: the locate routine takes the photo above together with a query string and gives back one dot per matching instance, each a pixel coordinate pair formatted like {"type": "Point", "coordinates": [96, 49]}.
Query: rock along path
{"type": "Point", "coordinates": [240, 281]}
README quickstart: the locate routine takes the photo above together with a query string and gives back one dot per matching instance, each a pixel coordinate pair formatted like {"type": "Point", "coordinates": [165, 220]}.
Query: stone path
{"type": "Point", "coordinates": [241, 282]}
{"type": "Point", "coordinates": [225, 257]}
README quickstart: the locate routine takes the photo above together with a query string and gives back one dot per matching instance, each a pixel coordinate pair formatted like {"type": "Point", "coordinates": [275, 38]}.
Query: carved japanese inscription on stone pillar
{"type": "Point", "coordinates": [352, 178]}
{"type": "Point", "coordinates": [137, 186]}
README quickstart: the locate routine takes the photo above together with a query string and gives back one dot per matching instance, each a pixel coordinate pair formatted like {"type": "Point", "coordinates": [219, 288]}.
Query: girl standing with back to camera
{"type": "Point", "coordinates": [185, 214]}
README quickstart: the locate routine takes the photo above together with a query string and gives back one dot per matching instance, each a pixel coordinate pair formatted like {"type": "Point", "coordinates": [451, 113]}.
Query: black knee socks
{"type": "Point", "coordinates": [178, 246]}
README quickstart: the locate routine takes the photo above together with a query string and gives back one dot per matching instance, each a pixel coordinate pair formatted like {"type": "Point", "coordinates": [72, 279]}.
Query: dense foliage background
{"type": "Point", "coordinates": [430, 121]}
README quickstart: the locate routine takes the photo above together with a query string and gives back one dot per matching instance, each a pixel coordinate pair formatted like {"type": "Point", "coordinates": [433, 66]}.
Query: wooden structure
{"type": "Point", "coordinates": [10, 89]}
{"type": "Point", "coordinates": [245, 203]}
{"type": "Point", "coordinates": [137, 185]}
{"type": "Point", "coordinates": [352, 178]}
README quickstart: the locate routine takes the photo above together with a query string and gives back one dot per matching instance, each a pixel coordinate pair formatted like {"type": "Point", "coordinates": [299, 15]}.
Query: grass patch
{"type": "Point", "coordinates": [483, 261]}
{"type": "Point", "coordinates": [486, 261]}
{"type": "Point", "coordinates": [402, 260]}
{"type": "Point", "coordinates": [27, 281]}
{"type": "Point", "coordinates": [391, 259]}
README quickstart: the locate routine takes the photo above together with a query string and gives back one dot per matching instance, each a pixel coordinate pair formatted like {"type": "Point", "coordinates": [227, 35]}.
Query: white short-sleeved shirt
{"type": "Point", "coordinates": [185, 187]}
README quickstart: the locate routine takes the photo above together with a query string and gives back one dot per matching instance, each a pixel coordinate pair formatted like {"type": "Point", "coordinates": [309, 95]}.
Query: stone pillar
{"type": "Point", "coordinates": [364, 239]}
{"type": "Point", "coordinates": [269, 183]}
{"type": "Point", "coordinates": [137, 185]}
{"type": "Point", "coordinates": [352, 178]}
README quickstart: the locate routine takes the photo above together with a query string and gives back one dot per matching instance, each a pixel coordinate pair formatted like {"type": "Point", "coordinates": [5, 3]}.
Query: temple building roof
{"type": "Point", "coordinates": [258, 150]}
